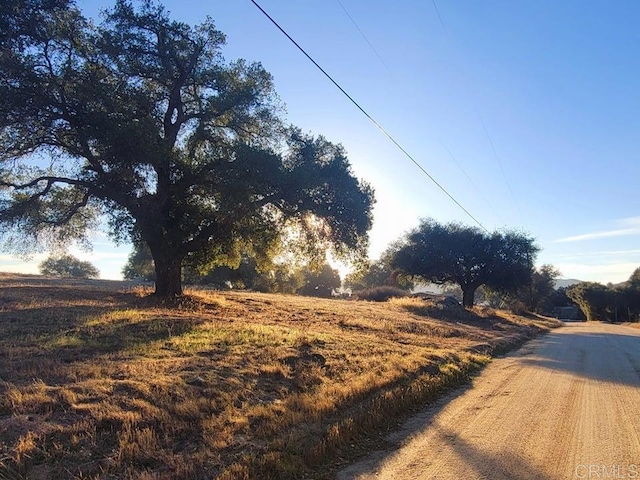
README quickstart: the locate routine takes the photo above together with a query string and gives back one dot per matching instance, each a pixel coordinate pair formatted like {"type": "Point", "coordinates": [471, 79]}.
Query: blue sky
{"type": "Point", "coordinates": [527, 112]}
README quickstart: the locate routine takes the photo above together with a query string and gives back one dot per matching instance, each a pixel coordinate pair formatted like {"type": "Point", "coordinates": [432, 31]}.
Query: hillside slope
{"type": "Point", "coordinates": [97, 381]}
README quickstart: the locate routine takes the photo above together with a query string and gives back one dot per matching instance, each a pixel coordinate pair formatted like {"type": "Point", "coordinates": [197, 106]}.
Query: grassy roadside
{"type": "Point", "coordinates": [96, 382]}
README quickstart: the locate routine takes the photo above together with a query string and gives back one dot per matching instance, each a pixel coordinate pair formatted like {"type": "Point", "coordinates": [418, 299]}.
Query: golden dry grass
{"type": "Point", "coordinates": [97, 381]}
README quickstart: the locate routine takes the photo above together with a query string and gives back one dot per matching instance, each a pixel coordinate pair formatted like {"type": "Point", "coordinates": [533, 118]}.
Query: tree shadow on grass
{"type": "Point", "coordinates": [87, 367]}
{"type": "Point", "coordinates": [46, 330]}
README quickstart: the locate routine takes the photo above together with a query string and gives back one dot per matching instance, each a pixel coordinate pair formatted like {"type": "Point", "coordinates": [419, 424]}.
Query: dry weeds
{"type": "Point", "coordinates": [97, 381]}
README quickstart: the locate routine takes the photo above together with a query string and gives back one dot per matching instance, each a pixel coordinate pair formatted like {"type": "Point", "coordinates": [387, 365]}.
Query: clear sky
{"type": "Point", "coordinates": [527, 112]}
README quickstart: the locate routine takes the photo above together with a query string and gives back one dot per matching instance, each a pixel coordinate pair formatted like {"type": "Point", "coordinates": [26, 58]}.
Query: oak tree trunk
{"type": "Point", "coordinates": [468, 295]}
{"type": "Point", "coordinates": [168, 276]}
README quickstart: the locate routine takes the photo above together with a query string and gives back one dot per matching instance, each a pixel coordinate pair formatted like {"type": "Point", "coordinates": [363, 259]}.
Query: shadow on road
{"type": "Point", "coordinates": [478, 463]}
{"type": "Point", "coordinates": [603, 352]}
{"type": "Point", "coordinates": [596, 354]}
{"type": "Point", "coordinates": [455, 458]}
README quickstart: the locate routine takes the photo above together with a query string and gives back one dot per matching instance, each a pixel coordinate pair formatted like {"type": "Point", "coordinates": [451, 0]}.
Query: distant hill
{"type": "Point", "coordinates": [566, 282]}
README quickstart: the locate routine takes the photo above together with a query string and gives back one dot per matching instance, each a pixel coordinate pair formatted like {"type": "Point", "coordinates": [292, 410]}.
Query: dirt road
{"type": "Point", "coordinates": [565, 406]}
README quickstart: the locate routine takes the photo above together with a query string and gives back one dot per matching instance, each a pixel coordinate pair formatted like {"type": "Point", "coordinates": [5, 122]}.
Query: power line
{"type": "Point", "coordinates": [435, 6]}
{"type": "Point", "coordinates": [364, 36]}
{"type": "Point", "coordinates": [495, 154]}
{"type": "Point", "coordinates": [444, 28]}
{"type": "Point", "coordinates": [469, 178]}
{"type": "Point", "coordinates": [449, 38]}
{"type": "Point", "coordinates": [364, 112]}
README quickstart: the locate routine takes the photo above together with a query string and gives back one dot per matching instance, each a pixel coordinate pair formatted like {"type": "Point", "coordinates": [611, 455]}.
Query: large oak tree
{"type": "Point", "coordinates": [466, 256]}
{"type": "Point", "coordinates": [141, 120]}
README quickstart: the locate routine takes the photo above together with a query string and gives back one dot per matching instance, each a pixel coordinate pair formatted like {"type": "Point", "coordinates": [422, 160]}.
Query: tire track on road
{"type": "Point", "coordinates": [563, 403]}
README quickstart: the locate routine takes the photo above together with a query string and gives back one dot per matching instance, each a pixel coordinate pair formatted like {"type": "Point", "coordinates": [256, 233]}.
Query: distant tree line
{"type": "Point", "coordinates": [611, 303]}
{"type": "Point", "coordinates": [495, 269]}
{"type": "Point", "coordinates": [445, 254]}
{"type": "Point", "coordinates": [262, 275]}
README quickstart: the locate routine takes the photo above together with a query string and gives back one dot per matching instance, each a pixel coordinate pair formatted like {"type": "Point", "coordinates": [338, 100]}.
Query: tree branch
{"type": "Point", "coordinates": [51, 180]}
{"type": "Point", "coordinates": [70, 213]}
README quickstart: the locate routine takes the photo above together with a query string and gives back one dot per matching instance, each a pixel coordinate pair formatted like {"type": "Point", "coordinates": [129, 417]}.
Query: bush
{"type": "Point", "coordinates": [68, 266]}
{"type": "Point", "coordinates": [380, 294]}
{"type": "Point", "coordinates": [517, 307]}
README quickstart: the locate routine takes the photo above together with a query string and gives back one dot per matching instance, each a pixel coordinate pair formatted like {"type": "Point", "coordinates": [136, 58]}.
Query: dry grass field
{"type": "Point", "coordinates": [99, 382]}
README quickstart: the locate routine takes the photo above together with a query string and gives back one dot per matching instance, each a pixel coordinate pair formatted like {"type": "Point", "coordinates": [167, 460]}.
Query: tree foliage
{"type": "Point", "coordinates": [466, 256]}
{"type": "Point", "coordinates": [140, 119]}
{"type": "Point", "coordinates": [630, 291]}
{"type": "Point", "coordinates": [538, 293]}
{"type": "Point", "coordinates": [378, 273]}
{"type": "Point", "coordinates": [596, 301]}
{"type": "Point", "coordinates": [263, 275]}
{"type": "Point", "coordinates": [246, 274]}
{"type": "Point", "coordinates": [140, 264]}
{"type": "Point", "coordinates": [613, 303]}
{"type": "Point", "coordinates": [272, 275]}
{"type": "Point", "coordinates": [558, 298]}
{"type": "Point", "coordinates": [280, 278]}
{"type": "Point", "coordinates": [321, 282]}
{"type": "Point", "coordinates": [68, 266]}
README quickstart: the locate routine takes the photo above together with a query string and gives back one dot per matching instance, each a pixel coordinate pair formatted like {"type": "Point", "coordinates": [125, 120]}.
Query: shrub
{"type": "Point", "coordinates": [68, 266]}
{"type": "Point", "coordinates": [518, 307]}
{"type": "Point", "coordinates": [380, 294]}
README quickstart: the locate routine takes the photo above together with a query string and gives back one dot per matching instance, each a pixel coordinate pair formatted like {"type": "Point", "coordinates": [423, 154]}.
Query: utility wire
{"type": "Point", "coordinates": [470, 180]}
{"type": "Point", "coordinates": [435, 6]}
{"type": "Point", "coordinates": [444, 28]}
{"type": "Point", "coordinates": [364, 112]}
{"type": "Point", "coordinates": [364, 36]}
{"type": "Point", "coordinates": [495, 154]}
{"type": "Point", "coordinates": [484, 126]}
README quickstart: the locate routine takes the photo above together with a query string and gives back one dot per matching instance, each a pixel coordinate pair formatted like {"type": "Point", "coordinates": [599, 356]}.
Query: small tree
{"type": "Point", "coordinates": [68, 266]}
{"type": "Point", "coordinates": [139, 264]}
{"type": "Point", "coordinates": [467, 256]}
{"type": "Point", "coordinates": [559, 298]}
{"type": "Point", "coordinates": [630, 291]}
{"type": "Point", "coordinates": [281, 278]}
{"type": "Point", "coordinates": [634, 280]}
{"type": "Point", "coordinates": [322, 282]}
{"type": "Point", "coordinates": [245, 274]}
{"type": "Point", "coordinates": [536, 295]}
{"type": "Point", "coordinates": [249, 273]}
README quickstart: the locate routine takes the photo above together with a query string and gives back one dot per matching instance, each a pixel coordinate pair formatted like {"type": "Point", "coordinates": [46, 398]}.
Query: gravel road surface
{"type": "Point", "coordinates": [564, 406]}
